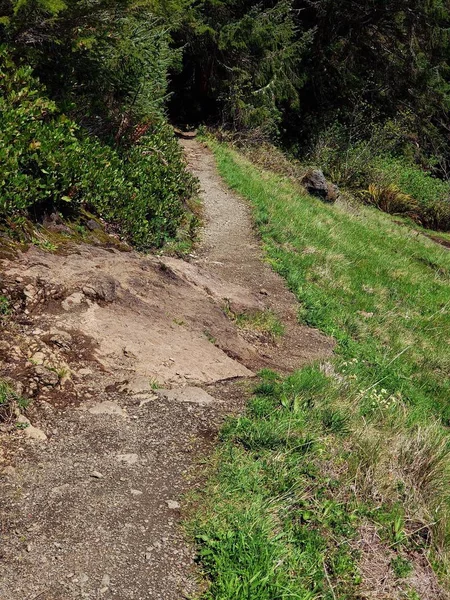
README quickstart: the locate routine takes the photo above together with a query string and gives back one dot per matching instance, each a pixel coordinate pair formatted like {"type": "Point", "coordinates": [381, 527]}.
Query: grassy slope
{"type": "Point", "coordinates": [358, 445]}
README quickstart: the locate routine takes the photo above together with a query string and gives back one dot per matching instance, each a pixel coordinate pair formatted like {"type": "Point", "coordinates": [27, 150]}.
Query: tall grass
{"type": "Point", "coordinates": [336, 448]}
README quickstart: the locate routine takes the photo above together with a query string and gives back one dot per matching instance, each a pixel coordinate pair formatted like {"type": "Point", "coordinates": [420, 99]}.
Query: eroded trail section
{"type": "Point", "coordinates": [130, 363]}
{"type": "Point", "coordinates": [232, 253]}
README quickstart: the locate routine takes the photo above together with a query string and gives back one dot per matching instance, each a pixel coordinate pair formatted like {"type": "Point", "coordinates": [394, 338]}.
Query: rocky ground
{"type": "Point", "coordinates": [130, 363]}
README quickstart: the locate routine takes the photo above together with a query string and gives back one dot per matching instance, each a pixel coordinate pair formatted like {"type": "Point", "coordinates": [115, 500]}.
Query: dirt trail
{"type": "Point", "coordinates": [91, 494]}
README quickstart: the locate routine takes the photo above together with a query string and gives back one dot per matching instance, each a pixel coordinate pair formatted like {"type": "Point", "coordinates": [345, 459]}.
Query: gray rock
{"type": "Point", "coordinates": [107, 408]}
{"type": "Point", "coordinates": [46, 376]}
{"type": "Point", "coordinates": [73, 300]}
{"type": "Point", "coordinates": [85, 371]}
{"type": "Point", "coordinates": [102, 288]}
{"type": "Point", "coordinates": [128, 459]}
{"type": "Point", "coordinates": [22, 420]}
{"type": "Point", "coordinates": [315, 183]}
{"type": "Point", "coordinates": [93, 225]}
{"type": "Point", "coordinates": [96, 475]}
{"type": "Point", "coordinates": [62, 339]}
{"type": "Point", "coordinates": [190, 394]}
{"type": "Point", "coordinates": [9, 471]}
{"type": "Point", "coordinates": [38, 358]}
{"type": "Point", "coordinates": [33, 433]}
{"type": "Point", "coordinates": [173, 504]}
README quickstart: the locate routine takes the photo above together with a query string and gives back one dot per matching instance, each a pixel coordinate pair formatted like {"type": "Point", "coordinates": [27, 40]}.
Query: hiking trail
{"type": "Point", "coordinates": [131, 362]}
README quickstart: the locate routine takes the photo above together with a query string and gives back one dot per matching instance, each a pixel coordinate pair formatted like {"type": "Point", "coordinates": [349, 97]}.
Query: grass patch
{"type": "Point", "coordinates": [260, 321]}
{"type": "Point", "coordinates": [336, 449]}
{"type": "Point", "coordinates": [5, 306]}
{"type": "Point", "coordinates": [9, 400]}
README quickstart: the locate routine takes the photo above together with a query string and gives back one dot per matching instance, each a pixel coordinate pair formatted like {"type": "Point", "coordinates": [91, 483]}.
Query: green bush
{"type": "Point", "coordinates": [49, 163]}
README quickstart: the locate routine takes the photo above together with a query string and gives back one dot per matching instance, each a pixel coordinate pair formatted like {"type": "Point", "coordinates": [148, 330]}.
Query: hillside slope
{"type": "Point", "coordinates": [334, 482]}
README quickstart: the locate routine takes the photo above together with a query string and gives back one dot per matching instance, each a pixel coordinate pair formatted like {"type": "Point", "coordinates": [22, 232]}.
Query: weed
{"type": "Point", "coordinates": [44, 244]}
{"type": "Point", "coordinates": [401, 567]}
{"type": "Point", "coordinates": [209, 336]}
{"type": "Point", "coordinates": [154, 384]}
{"type": "Point", "coordinates": [391, 199]}
{"type": "Point", "coordinates": [261, 321]}
{"type": "Point", "coordinates": [9, 400]}
{"type": "Point", "coordinates": [5, 306]}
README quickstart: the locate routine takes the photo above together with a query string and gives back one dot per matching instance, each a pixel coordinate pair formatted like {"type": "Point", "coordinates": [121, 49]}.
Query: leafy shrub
{"type": "Point", "coordinates": [49, 163]}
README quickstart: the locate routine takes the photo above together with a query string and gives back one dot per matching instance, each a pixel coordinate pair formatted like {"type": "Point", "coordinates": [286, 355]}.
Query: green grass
{"type": "Point", "coordinates": [358, 442]}
{"type": "Point", "coordinates": [261, 321]}
{"type": "Point", "coordinates": [5, 306]}
{"type": "Point", "coordinates": [9, 400]}
{"type": "Point", "coordinates": [380, 290]}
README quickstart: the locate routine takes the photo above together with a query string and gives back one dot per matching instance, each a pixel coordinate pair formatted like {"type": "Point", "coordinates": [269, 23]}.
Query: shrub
{"type": "Point", "coordinates": [390, 199]}
{"type": "Point", "coordinates": [50, 163]}
{"type": "Point", "coordinates": [9, 401]}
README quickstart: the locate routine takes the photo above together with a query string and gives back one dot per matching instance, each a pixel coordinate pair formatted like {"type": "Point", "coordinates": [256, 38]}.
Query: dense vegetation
{"type": "Point", "coordinates": [346, 452]}
{"type": "Point", "coordinates": [82, 117]}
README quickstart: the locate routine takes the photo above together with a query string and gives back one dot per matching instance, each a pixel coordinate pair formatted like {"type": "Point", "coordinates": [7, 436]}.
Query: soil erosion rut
{"type": "Point", "coordinates": [131, 363]}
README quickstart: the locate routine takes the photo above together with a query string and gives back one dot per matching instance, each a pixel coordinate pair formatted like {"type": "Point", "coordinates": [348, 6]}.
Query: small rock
{"type": "Point", "coordinates": [46, 376]}
{"type": "Point", "coordinates": [22, 420]}
{"type": "Point", "coordinates": [85, 371]}
{"type": "Point", "coordinates": [38, 358]}
{"type": "Point", "coordinates": [107, 408]}
{"type": "Point", "coordinates": [190, 394]}
{"type": "Point", "coordinates": [33, 433]}
{"type": "Point", "coordinates": [147, 556]}
{"type": "Point", "coordinates": [106, 580]}
{"type": "Point", "coordinates": [93, 225]}
{"type": "Point", "coordinates": [103, 287]}
{"type": "Point", "coordinates": [263, 292]}
{"type": "Point", "coordinates": [136, 492]}
{"type": "Point", "coordinates": [9, 471]}
{"type": "Point", "coordinates": [129, 459]}
{"type": "Point", "coordinates": [83, 578]}
{"type": "Point", "coordinates": [62, 339]}
{"type": "Point", "coordinates": [28, 547]}
{"type": "Point", "coordinates": [74, 299]}
{"type": "Point", "coordinates": [173, 504]}
{"type": "Point", "coordinates": [96, 475]}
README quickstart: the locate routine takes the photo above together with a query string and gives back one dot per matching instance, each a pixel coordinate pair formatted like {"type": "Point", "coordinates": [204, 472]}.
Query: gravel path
{"type": "Point", "coordinates": [91, 503]}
